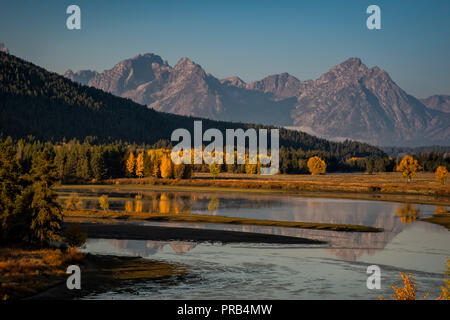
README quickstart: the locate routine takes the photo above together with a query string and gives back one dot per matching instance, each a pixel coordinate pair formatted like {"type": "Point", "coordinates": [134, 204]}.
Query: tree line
{"type": "Point", "coordinates": [79, 162]}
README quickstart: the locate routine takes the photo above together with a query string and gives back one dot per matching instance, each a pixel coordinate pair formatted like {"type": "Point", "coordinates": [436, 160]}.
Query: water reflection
{"type": "Point", "coordinates": [408, 213]}
{"type": "Point", "coordinates": [394, 218]}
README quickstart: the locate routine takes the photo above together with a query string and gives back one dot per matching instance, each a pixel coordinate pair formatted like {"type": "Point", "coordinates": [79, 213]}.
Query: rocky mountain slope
{"type": "Point", "coordinates": [437, 102]}
{"type": "Point", "coordinates": [349, 101]}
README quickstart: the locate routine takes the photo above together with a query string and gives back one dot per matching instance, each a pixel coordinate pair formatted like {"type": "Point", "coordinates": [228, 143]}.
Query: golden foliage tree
{"type": "Point", "coordinates": [73, 202]}
{"type": "Point", "coordinates": [408, 167]}
{"type": "Point", "coordinates": [104, 204]}
{"type": "Point", "coordinates": [316, 165]}
{"type": "Point", "coordinates": [131, 161]}
{"type": "Point", "coordinates": [214, 169]}
{"type": "Point", "coordinates": [441, 174]}
{"type": "Point", "coordinates": [408, 291]}
{"type": "Point", "coordinates": [445, 294]}
{"type": "Point", "coordinates": [166, 168]}
{"type": "Point", "coordinates": [140, 165]}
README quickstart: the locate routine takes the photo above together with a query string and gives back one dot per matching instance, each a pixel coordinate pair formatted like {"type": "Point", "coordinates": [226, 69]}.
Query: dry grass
{"type": "Point", "coordinates": [25, 272]}
{"type": "Point", "coordinates": [393, 182]}
{"type": "Point", "coordinates": [199, 218]}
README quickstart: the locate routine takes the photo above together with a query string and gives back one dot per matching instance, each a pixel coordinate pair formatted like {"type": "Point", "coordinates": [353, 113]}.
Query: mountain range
{"type": "Point", "coordinates": [350, 101]}
{"type": "Point", "coordinates": [45, 105]}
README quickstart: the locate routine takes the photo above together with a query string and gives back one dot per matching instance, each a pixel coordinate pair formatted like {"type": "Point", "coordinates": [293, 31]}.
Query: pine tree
{"type": "Point", "coordinates": [46, 212]}
{"type": "Point", "coordinates": [10, 190]}
{"type": "Point", "coordinates": [98, 165]}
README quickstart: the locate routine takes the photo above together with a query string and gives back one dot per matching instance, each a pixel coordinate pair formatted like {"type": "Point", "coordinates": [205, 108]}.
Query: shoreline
{"type": "Point", "coordinates": [35, 273]}
{"type": "Point", "coordinates": [128, 231]}
{"type": "Point", "coordinates": [103, 273]}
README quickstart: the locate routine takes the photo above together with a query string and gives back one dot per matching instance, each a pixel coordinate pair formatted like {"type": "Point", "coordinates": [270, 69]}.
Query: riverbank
{"type": "Point", "coordinates": [379, 186]}
{"type": "Point", "coordinates": [442, 219]}
{"type": "Point", "coordinates": [200, 218]}
{"type": "Point", "coordinates": [27, 273]}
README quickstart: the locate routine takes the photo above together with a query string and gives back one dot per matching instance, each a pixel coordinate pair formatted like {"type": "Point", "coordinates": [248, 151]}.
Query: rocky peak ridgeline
{"type": "Point", "coordinates": [351, 100]}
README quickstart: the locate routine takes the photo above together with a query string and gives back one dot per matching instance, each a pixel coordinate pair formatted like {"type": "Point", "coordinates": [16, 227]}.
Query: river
{"type": "Point", "coordinates": [336, 270]}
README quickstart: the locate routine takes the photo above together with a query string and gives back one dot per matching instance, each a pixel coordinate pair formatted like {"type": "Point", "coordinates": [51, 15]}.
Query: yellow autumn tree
{"type": "Point", "coordinates": [408, 291]}
{"type": "Point", "coordinates": [140, 165]}
{"type": "Point", "coordinates": [103, 201]}
{"type": "Point", "coordinates": [408, 167]}
{"type": "Point", "coordinates": [166, 168]}
{"type": "Point", "coordinates": [131, 161]}
{"type": "Point", "coordinates": [445, 293]}
{"type": "Point", "coordinates": [214, 169]}
{"type": "Point", "coordinates": [441, 174]}
{"type": "Point", "coordinates": [316, 165]}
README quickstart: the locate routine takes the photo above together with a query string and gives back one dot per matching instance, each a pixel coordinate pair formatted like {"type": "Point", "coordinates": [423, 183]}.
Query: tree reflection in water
{"type": "Point", "coordinates": [408, 213]}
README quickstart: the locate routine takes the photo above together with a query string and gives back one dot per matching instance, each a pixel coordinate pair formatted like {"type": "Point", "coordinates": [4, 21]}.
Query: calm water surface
{"type": "Point", "coordinates": [336, 270]}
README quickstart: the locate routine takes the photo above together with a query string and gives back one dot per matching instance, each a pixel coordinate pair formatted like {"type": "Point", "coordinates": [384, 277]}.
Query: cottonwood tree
{"type": "Point", "coordinates": [166, 168]}
{"type": "Point", "coordinates": [441, 174]}
{"type": "Point", "coordinates": [408, 167]}
{"type": "Point", "coordinates": [103, 201]}
{"type": "Point", "coordinates": [140, 165]}
{"type": "Point", "coordinates": [214, 169]}
{"type": "Point", "coordinates": [131, 163]}
{"type": "Point", "coordinates": [316, 165]}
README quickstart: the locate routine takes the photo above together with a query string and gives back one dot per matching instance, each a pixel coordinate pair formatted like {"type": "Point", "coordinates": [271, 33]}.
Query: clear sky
{"type": "Point", "coordinates": [250, 39]}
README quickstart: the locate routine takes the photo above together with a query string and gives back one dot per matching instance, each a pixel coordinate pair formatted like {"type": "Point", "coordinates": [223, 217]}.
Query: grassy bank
{"type": "Point", "coordinates": [380, 186]}
{"type": "Point", "coordinates": [41, 273]}
{"type": "Point", "coordinates": [25, 272]}
{"type": "Point", "coordinates": [199, 218]}
{"type": "Point", "coordinates": [442, 219]}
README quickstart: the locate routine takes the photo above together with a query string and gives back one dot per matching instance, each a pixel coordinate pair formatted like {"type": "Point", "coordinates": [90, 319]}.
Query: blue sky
{"type": "Point", "coordinates": [250, 39]}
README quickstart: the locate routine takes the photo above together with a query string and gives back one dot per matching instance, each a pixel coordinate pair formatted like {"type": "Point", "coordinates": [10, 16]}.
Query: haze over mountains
{"type": "Point", "coordinates": [349, 101]}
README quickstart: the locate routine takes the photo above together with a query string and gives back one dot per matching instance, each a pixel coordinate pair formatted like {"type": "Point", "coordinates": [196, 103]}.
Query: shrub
{"type": "Point", "coordinates": [75, 236]}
